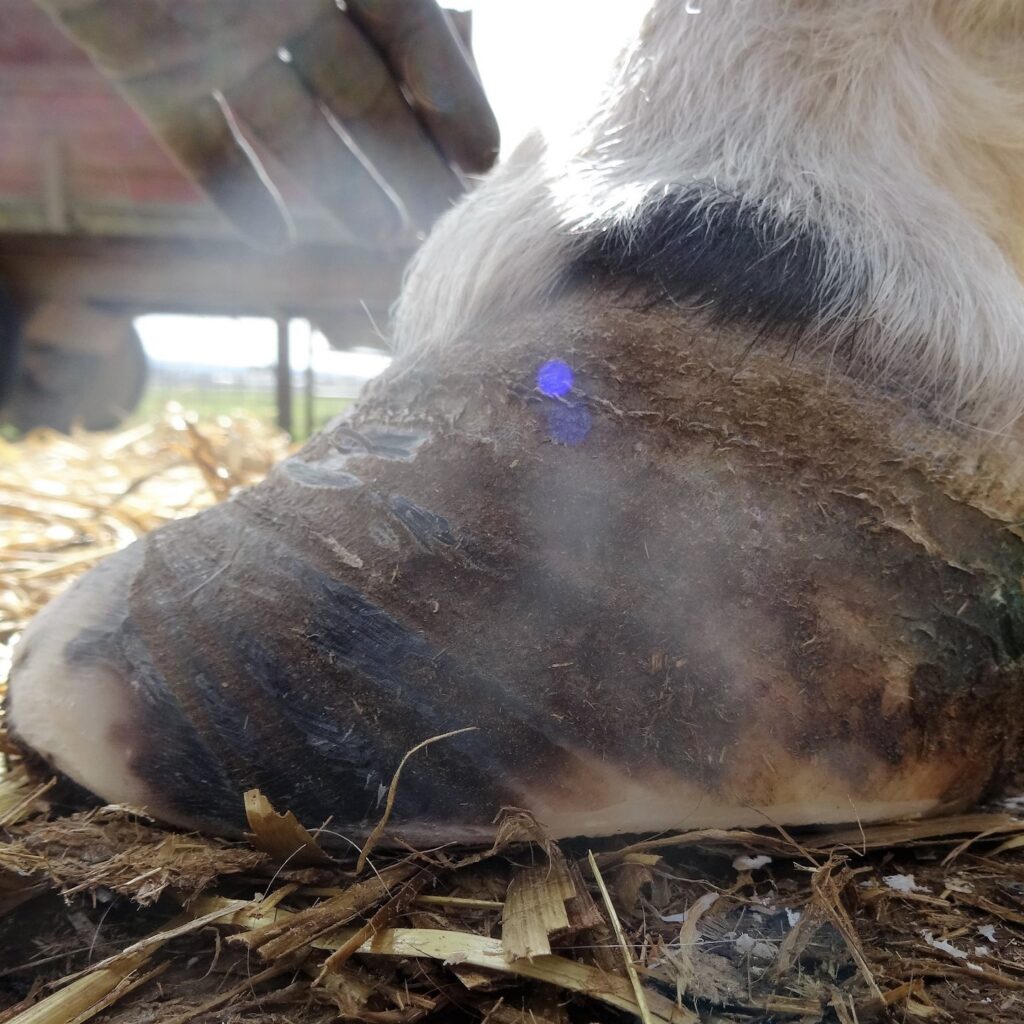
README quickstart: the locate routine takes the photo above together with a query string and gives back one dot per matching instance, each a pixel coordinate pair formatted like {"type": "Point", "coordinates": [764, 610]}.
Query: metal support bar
{"type": "Point", "coordinates": [284, 375]}
{"type": "Point", "coordinates": [55, 197]}
{"type": "Point", "coordinates": [310, 382]}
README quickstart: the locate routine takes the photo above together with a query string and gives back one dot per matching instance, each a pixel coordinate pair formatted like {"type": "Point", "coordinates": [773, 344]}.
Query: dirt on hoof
{"type": "Point", "coordinates": [106, 915]}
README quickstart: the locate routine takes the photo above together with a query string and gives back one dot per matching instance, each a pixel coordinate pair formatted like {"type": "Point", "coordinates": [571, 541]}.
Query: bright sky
{"type": "Point", "coordinates": [247, 341]}
{"type": "Point", "coordinates": [541, 61]}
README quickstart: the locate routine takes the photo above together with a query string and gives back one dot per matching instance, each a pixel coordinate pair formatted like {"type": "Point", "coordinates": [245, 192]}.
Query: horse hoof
{"type": "Point", "coordinates": [662, 584]}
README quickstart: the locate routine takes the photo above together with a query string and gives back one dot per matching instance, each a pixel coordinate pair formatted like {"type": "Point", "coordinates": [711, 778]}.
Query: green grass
{"type": "Point", "coordinates": [261, 405]}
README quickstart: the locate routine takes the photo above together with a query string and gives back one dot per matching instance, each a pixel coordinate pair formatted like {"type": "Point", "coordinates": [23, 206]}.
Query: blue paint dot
{"type": "Point", "coordinates": [554, 378]}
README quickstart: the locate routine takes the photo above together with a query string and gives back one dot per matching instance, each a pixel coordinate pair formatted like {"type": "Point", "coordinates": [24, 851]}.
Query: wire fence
{"type": "Point", "coordinates": [296, 381]}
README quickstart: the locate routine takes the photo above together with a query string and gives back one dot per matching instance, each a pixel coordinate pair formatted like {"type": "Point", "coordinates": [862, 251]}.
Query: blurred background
{"type": "Point", "coordinates": [131, 292]}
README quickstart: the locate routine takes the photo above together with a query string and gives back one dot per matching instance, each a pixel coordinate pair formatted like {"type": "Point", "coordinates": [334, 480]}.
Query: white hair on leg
{"type": "Point", "coordinates": [893, 130]}
{"type": "Point", "coordinates": [504, 246]}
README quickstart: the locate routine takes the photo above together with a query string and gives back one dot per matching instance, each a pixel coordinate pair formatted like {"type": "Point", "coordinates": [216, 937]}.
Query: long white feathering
{"type": "Point", "coordinates": [893, 128]}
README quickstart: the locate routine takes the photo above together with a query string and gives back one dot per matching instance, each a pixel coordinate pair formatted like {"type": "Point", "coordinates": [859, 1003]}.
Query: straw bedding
{"type": "Point", "coordinates": [107, 916]}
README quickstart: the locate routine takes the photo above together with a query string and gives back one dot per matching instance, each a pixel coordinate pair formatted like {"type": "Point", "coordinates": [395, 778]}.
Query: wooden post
{"type": "Point", "coordinates": [310, 381]}
{"type": "Point", "coordinates": [284, 375]}
{"type": "Point", "coordinates": [55, 190]}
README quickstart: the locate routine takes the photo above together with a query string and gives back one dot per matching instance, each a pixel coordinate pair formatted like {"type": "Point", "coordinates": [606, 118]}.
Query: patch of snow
{"type": "Point", "coordinates": [744, 863]}
{"type": "Point", "coordinates": [904, 883]}
{"type": "Point", "coordinates": [946, 947]}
